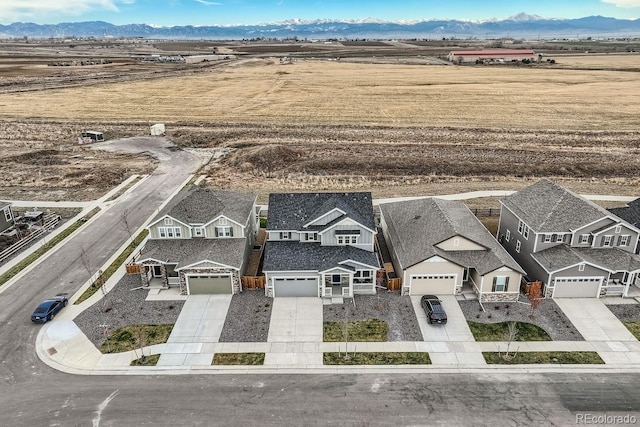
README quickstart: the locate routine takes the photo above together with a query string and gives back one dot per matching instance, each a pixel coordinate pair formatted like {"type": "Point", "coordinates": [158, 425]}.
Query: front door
{"type": "Point", "coordinates": [157, 272]}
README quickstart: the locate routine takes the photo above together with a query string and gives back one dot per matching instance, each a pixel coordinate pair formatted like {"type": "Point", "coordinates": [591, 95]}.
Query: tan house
{"type": "Point", "coordinates": [439, 247]}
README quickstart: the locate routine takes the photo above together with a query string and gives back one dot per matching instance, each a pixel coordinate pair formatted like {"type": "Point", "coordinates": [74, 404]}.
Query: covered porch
{"type": "Point", "coordinates": [621, 283]}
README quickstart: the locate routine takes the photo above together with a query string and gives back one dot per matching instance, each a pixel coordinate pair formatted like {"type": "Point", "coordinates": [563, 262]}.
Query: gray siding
{"type": "Point", "coordinates": [327, 219]}
{"type": "Point", "coordinates": [624, 230]}
{"type": "Point", "coordinates": [275, 236]}
{"type": "Point", "coordinates": [365, 239]}
{"type": "Point", "coordinates": [154, 232]}
{"type": "Point", "coordinates": [541, 245]}
{"type": "Point", "coordinates": [595, 226]}
{"type": "Point", "coordinates": [210, 229]}
{"type": "Point", "coordinates": [589, 271]}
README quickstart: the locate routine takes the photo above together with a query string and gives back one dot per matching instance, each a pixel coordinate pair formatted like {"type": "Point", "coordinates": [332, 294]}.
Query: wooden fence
{"type": "Point", "coordinates": [486, 211]}
{"type": "Point", "coordinates": [249, 282]}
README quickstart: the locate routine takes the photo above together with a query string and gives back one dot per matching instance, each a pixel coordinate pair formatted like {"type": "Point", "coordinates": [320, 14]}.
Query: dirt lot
{"type": "Point", "coordinates": [394, 129]}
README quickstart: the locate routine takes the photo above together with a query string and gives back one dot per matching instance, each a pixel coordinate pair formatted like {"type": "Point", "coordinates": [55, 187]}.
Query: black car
{"type": "Point", "coordinates": [48, 309]}
{"type": "Point", "coordinates": [433, 307]}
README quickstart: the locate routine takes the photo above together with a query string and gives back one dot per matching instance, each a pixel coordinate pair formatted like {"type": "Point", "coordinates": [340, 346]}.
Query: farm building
{"type": "Point", "coordinates": [491, 55]}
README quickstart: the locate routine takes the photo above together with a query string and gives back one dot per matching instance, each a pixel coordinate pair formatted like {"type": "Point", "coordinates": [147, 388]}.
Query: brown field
{"type": "Point", "coordinates": [629, 62]}
{"type": "Point", "coordinates": [393, 129]}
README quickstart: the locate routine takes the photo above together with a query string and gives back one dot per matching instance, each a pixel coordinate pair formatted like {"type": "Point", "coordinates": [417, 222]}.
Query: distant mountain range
{"type": "Point", "coordinates": [518, 26]}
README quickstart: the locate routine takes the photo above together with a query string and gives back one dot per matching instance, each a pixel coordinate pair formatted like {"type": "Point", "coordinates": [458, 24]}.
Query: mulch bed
{"type": "Point", "coordinates": [248, 317]}
{"type": "Point", "coordinates": [548, 317]}
{"type": "Point", "coordinates": [391, 307]}
{"type": "Point", "coordinates": [625, 312]}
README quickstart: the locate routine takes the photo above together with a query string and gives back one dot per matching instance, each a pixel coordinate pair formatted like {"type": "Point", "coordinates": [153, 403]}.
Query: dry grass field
{"type": "Point", "coordinates": [628, 62]}
{"type": "Point", "coordinates": [326, 92]}
{"type": "Point", "coordinates": [319, 125]}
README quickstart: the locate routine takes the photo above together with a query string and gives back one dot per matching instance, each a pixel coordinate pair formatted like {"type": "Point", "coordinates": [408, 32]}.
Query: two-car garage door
{"type": "Point", "coordinates": [209, 284]}
{"type": "Point", "coordinates": [295, 287]}
{"type": "Point", "coordinates": [577, 287]}
{"type": "Point", "coordinates": [442, 284]}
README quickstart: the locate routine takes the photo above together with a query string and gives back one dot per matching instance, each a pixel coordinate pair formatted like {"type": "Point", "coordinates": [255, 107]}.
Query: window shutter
{"type": "Point", "coordinates": [506, 283]}
{"type": "Point", "coordinates": [231, 232]}
{"type": "Point", "coordinates": [493, 286]}
{"type": "Point", "coordinates": [217, 234]}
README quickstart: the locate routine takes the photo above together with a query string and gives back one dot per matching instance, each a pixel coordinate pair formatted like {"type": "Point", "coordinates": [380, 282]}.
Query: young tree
{"type": "Point", "coordinates": [535, 297]}
{"type": "Point", "coordinates": [510, 335]}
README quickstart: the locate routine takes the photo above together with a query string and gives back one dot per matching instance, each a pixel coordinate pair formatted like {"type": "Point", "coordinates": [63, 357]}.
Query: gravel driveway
{"type": "Point", "coordinates": [123, 307]}
{"type": "Point", "coordinates": [391, 307]}
{"type": "Point", "coordinates": [549, 317]}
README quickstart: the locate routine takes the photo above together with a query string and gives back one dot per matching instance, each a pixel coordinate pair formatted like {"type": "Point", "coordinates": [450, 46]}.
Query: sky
{"type": "Point", "coordinates": [233, 12]}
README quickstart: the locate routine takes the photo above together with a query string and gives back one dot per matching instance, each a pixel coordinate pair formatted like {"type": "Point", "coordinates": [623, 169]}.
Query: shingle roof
{"type": "Point", "coordinates": [630, 213]}
{"type": "Point", "coordinates": [416, 226]}
{"type": "Point", "coordinates": [4, 204]}
{"type": "Point", "coordinates": [548, 207]}
{"type": "Point", "coordinates": [199, 205]}
{"type": "Point", "coordinates": [291, 211]}
{"type": "Point", "coordinates": [190, 251]}
{"type": "Point", "coordinates": [298, 256]}
{"type": "Point", "coordinates": [563, 256]}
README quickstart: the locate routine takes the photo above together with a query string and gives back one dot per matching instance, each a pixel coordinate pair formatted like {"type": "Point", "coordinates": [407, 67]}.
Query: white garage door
{"type": "Point", "coordinates": [295, 287]}
{"type": "Point", "coordinates": [208, 285]}
{"type": "Point", "coordinates": [436, 284]}
{"type": "Point", "coordinates": [577, 287]}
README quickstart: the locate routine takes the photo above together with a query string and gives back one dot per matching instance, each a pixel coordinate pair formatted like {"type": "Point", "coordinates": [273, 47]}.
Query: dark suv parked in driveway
{"type": "Point", "coordinates": [433, 307]}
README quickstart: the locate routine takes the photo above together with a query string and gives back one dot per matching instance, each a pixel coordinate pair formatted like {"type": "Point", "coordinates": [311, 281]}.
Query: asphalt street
{"type": "Point", "coordinates": [31, 393]}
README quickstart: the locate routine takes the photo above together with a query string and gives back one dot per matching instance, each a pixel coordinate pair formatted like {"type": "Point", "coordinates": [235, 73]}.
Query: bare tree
{"type": "Point", "coordinates": [510, 335]}
{"type": "Point", "coordinates": [535, 297]}
{"type": "Point", "coordinates": [96, 281]}
{"type": "Point", "coordinates": [125, 221]}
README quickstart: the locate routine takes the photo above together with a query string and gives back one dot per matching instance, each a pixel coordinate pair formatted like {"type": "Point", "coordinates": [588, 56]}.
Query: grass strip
{"type": "Point", "coordinates": [377, 358]}
{"type": "Point", "coordinates": [146, 361]}
{"type": "Point", "coordinates": [499, 331]}
{"type": "Point", "coordinates": [238, 359]}
{"type": "Point", "coordinates": [124, 189]}
{"type": "Point", "coordinates": [113, 267]}
{"type": "Point", "coordinates": [9, 274]}
{"type": "Point", "coordinates": [369, 330]}
{"type": "Point", "coordinates": [634, 328]}
{"type": "Point", "coordinates": [131, 337]}
{"type": "Point", "coordinates": [545, 357]}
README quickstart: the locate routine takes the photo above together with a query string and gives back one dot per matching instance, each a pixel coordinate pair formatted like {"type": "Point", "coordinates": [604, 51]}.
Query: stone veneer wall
{"type": "Point", "coordinates": [235, 277]}
{"type": "Point", "coordinates": [163, 272]}
{"type": "Point", "coordinates": [499, 297]}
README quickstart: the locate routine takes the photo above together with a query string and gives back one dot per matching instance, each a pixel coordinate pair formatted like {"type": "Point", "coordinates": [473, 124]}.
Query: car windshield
{"type": "Point", "coordinates": [41, 309]}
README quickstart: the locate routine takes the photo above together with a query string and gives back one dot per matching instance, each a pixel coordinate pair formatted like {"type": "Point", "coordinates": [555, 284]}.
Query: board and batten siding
{"type": "Point", "coordinates": [434, 266]}
{"type": "Point", "coordinates": [365, 238]}
{"type": "Point", "coordinates": [624, 231]}
{"type": "Point", "coordinates": [486, 283]}
{"type": "Point", "coordinates": [210, 229]}
{"type": "Point", "coordinates": [463, 244]}
{"type": "Point", "coordinates": [154, 231]}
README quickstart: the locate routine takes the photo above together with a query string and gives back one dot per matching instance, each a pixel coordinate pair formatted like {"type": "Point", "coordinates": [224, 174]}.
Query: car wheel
{"type": "Point", "coordinates": [64, 304]}
{"type": "Point", "coordinates": [49, 317]}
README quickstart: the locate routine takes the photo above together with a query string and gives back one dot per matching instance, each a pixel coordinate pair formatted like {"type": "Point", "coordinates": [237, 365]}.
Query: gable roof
{"type": "Point", "coordinates": [562, 256]}
{"type": "Point", "coordinates": [291, 211]}
{"type": "Point", "coordinates": [629, 213]}
{"type": "Point", "coordinates": [186, 252]}
{"type": "Point", "coordinates": [548, 207]}
{"type": "Point", "coordinates": [198, 205]}
{"type": "Point", "coordinates": [416, 226]}
{"type": "Point", "coordinates": [297, 256]}
{"type": "Point", "coordinates": [4, 204]}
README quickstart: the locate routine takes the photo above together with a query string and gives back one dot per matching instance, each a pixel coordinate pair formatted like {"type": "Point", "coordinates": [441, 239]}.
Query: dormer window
{"type": "Point", "coordinates": [198, 232]}
{"type": "Point", "coordinates": [311, 237]}
{"type": "Point", "coordinates": [584, 239]}
{"type": "Point", "coordinates": [168, 221]}
{"type": "Point", "coordinates": [285, 235]}
{"type": "Point", "coordinates": [547, 238]}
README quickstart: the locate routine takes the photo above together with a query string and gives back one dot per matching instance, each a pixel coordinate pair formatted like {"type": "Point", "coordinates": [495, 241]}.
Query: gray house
{"type": "Point", "coordinates": [320, 245]}
{"type": "Point", "coordinates": [439, 246]}
{"type": "Point", "coordinates": [629, 213]}
{"type": "Point", "coordinates": [201, 242]}
{"type": "Point", "coordinates": [6, 216]}
{"type": "Point", "coordinates": [575, 247]}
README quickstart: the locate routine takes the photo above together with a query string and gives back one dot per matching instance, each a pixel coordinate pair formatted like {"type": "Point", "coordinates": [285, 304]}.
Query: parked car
{"type": "Point", "coordinates": [49, 308]}
{"type": "Point", "coordinates": [433, 308]}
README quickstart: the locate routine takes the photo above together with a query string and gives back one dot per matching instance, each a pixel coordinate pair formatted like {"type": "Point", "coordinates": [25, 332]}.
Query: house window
{"type": "Point", "coordinates": [7, 214]}
{"type": "Point", "coordinates": [547, 238]}
{"type": "Point", "coordinates": [520, 227]}
{"type": "Point", "coordinates": [559, 238]}
{"type": "Point", "coordinates": [581, 267]}
{"type": "Point", "coordinates": [624, 240]}
{"type": "Point", "coordinates": [168, 221]}
{"type": "Point", "coordinates": [170, 232]}
{"type": "Point", "coordinates": [618, 229]}
{"type": "Point", "coordinates": [347, 239]}
{"type": "Point", "coordinates": [584, 239]}
{"type": "Point", "coordinates": [508, 235]}
{"type": "Point", "coordinates": [500, 284]}
{"type": "Point", "coordinates": [518, 244]}
{"type": "Point", "coordinates": [312, 237]}
{"type": "Point", "coordinates": [336, 279]}
{"type": "Point", "coordinates": [198, 231]}
{"type": "Point", "coordinates": [285, 235]}
{"type": "Point", "coordinates": [222, 221]}
{"type": "Point", "coordinates": [525, 232]}
{"type": "Point", "coordinates": [362, 276]}
{"type": "Point", "coordinates": [224, 231]}
{"type": "Point", "coordinates": [607, 240]}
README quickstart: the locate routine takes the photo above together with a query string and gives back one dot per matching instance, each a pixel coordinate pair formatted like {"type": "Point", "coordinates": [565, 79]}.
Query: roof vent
{"type": "Point", "coordinates": [417, 217]}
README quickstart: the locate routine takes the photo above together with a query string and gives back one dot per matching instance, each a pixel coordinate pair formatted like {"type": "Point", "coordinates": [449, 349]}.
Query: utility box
{"type": "Point", "coordinates": [158, 129]}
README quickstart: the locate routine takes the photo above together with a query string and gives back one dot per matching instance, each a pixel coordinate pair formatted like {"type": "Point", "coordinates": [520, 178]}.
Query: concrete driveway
{"type": "Point", "coordinates": [594, 320]}
{"type": "Point", "coordinates": [296, 320]}
{"type": "Point", "coordinates": [456, 328]}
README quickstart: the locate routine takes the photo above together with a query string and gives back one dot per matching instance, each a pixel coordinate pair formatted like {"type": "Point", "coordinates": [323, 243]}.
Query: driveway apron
{"type": "Point", "coordinates": [296, 320]}
{"type": "Point", "coordinates": [594, 320]}
{"type": "Point", "coordinates": [456, 328]}
{"type": "Point", "coordinates": [201, 319]}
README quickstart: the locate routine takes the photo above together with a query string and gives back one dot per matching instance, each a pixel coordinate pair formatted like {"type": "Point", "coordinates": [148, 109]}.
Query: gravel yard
{"type": "Point", "coordinates": [248, 317]}
{"type": "Point", "coordinates": [549, 317]}
{"type": "Point", "coordinates": [394, 309]}
{"type": "Point", "coordinates": [124, 307]}
{"type": "Point", "coordinates": [625, 312]}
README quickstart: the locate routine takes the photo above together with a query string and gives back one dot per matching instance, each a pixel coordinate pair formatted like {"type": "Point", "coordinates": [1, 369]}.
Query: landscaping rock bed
{"type": "Point", "coordinates": [391, 307]}
{"type": "Point", "coordinates": [625, 312]}
{"type": "Point", "coordinates": [248, 317]}
{"type": "Point", "coordinates": [548, 316]}
{"type": "Point", "coordinates": [123, 306]}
